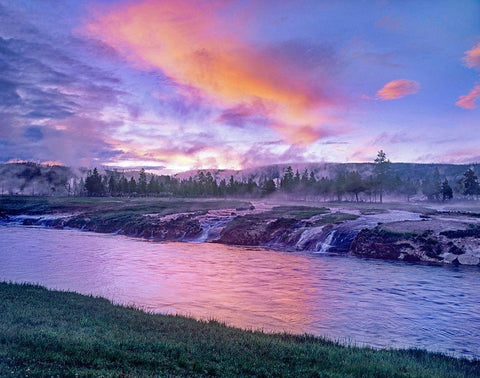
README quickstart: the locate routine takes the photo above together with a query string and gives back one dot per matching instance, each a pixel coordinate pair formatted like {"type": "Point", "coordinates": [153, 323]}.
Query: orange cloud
{"type": "Point", "coordinates": [468, 101]}
{"type": "Point", "coordinates": [192, 42]}
{"type": "Point", "coordinates": [397, 89]}
{"type": "Point", "coordinates": [472, 57]}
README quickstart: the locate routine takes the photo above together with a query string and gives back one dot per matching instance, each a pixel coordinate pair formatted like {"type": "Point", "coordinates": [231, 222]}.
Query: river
{"type": "Point", "coordinates": [363, 302]}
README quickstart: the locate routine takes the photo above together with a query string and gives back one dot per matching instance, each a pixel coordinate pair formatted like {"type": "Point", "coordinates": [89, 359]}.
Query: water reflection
{"type": "Point", "coordinates": [367, 302]}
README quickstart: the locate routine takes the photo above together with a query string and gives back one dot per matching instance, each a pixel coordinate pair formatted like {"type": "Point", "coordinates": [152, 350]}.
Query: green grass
{"type": "Point", "coordinates": [49, 333]}
{"type": "Point", "coordinates": [296, 212]}
{"type": "Point", "coordinates": [15, 205]}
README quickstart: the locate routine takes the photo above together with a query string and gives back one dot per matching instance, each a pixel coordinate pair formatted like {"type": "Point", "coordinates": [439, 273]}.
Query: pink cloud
{"type": "Point", "coordinates": [472, 57]}
{"type": "Point", "coordinates": [468, 101]}
{"type": "Point", "coordinates": [193, 43]}
{"type": "Point", "coordinates": [398, 89]}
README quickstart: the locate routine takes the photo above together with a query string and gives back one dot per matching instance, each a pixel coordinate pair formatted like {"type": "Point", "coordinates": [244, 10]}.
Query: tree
{"type": "Point", "coordinates": [432, 186]}
{"type": "Point", "coordinates": [132, 185]}
{"type": "Point", "coordinates": [112, 185]}
{"type": "Point", "coordinates": [153, 187]}
{"type": "Point", "coordinates": [447, 192]}
{"type": "Point", "coordinates": [297, 178]}
{"type": "Point", "coordinates": [339, 185]}
{"type": "Point", "coordinates": [268, 187]}
{"type": "Point", "coordinates": [123, 185]}
{"type": "Point", "coordinates": [304, 179]}
{"type": "Point", "coordinates": [354, 184]}
{"type": "Point", "coordinates": [409, 188]}
{"type": "Point", "coordinates": [287, 182]}
{"type": "Point", "coordinates": [381, 170]}
{"type": "Point", "coordinates": [142, 182]}
{"type": "Point", "coordinates": [93, 183]}
{"type": "Point", "coordinates": [470, 183]}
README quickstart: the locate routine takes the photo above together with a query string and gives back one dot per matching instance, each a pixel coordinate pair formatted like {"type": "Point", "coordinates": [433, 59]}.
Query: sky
{"type": "Point", "coordinates": [174, 85]}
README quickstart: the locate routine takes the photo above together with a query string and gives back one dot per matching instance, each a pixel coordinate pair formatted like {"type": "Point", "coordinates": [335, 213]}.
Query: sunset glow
{"type": "Point", "coordinates": [230, 84]}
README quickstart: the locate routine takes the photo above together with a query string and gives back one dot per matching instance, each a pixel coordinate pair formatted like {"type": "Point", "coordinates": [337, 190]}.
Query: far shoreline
{"type": "Point", "coordinates": [432, 233]}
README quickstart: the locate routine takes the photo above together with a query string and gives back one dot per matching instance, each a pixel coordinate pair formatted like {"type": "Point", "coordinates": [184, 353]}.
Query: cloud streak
{"type": "Point", "coordinates": [398, 89]}
{"type": "Point", "coordinates": [191, 43]}
{"type": "Point", "coordinates": [472, 60]}
{"type": "Point", "coordinates": [468, 101]}
{"type": "Point", "coordinates": [472, 57]}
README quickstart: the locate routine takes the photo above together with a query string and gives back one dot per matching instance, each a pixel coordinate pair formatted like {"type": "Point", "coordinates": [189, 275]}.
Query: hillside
{"type": "Point", "coordinates": [28, 178]}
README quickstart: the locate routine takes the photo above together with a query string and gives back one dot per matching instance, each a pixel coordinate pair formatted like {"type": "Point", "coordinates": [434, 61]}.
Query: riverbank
{"type": "Point", "coordinates": [434, 234]}
{"type": "Point", "coordinates": [59, 333]}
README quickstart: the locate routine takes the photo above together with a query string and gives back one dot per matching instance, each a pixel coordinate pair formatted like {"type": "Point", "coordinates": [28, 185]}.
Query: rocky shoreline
{"type": "Point", "coordinates": [432, 241]}
{"type": "Point", "coordinates": [412, 235]}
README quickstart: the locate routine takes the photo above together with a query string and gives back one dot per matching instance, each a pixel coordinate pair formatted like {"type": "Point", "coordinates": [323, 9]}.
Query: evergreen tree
{"type": "Point", "coordinates": [432, 186]}
{"type": "Point", "coordinates": [381, 170]}
{"type": "Point", "coordinates": [94, 184]}
{"type": "Point", "coordinates": [112, 185]}
{"type": "Point", "coordinates": [471, 186]}
{"type": "Point", "coordinates": [296, 179]}
{"type": "Point", "coordinates": [304, 180]}
{"type": "Point", "coordinates": [132, 186]}
{"type": "Point", "coordinates": [408, 188]}
{"type": "Point", "coordinates": [268, 187]}
{"type": "Point", "coordinates": [354, 184]}
{"type": "Point", "coordinates": [339, 185]}
{"type": "Point", "coordinates": [287, 182]}
{"type": "Point", "coordinates": [123, 185]}
{"type": "Point", "coordinates": [324, 187]}
{"type": "Point", "coordinates": [447, 192]}
{"type": "Point", "coordinates": [142, 182]}
{"type": "Point", "coordinates": [222, 187]}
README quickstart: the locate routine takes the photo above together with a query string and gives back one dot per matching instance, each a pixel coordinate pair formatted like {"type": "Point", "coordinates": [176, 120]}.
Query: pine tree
{"type": "Point", "coordinates": [132, 186]}
{"type": "Point", "coordinates": [94, 184]}
{"type": "Point", "coordinates": [287, 182]}
{"type": "Point", "coordinates": [142, 182]}
{"type": "Point", "coordinates": [354, 184]}
{"type": "Point", "coordinates": [382, 170]}
{"type": "Point", "coordinates": [447, 192]}
{"type": "Point", "coordinates": [470, 183]}
{"type": "Point", "coordinates": [409, 188]}
{"type": "Point", "coordinates": [112, 185]}
{"type": "Point", "coordinates": [268, 187]}
{"type": "Point", "coordinates": [339, 185]}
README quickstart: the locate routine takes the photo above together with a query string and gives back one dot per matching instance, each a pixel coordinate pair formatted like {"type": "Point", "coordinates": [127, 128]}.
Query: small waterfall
{"type": "Point", "coordinates": [336, 239]}
{"type": "Point", "coordinates": [316, 239]}
{"type": "Point", "coordinates": [309, 238]}
{"type": "Point", "coordinates": [212, 223]}
{"type": "Point", "coordinates": [325, 245]}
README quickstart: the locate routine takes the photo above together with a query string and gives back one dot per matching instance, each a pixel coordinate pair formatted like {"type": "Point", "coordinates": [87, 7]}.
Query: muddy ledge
{"type": "Point", "coordinates": [432, 241]}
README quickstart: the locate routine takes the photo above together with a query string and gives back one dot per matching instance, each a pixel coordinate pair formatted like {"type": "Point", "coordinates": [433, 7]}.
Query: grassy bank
{"type": "Point", "coordinates": [56, 333]}
{"type": "Point", "coordinates": [15, 205]}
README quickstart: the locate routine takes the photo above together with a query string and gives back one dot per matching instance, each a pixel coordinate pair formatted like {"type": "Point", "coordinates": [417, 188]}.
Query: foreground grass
{"type": "Point", "coordinates": [57, 333]}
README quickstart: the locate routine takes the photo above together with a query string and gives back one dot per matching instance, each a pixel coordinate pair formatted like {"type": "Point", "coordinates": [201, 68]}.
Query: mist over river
{"type": "Point", "coordinates": [367, 302]}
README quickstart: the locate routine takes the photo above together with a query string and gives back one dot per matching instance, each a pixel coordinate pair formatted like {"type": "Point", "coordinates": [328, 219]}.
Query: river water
{"type": "Point", "coordinates": [363, 302]}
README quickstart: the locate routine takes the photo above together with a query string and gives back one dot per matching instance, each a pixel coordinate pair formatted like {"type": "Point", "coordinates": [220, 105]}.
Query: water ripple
{"type": "Point", "coordinates": [366, 302]}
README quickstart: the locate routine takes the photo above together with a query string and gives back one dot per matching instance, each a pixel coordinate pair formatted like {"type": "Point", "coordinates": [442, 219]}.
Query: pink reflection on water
{"type": "Point", "coordinates": [250, 288]}
{"type": "Point", "coordinates": [382, 304]}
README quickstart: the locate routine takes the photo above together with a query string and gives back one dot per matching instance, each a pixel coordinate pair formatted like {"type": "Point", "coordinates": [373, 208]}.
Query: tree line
{"type": "Point", "coordinates": [345, 185]}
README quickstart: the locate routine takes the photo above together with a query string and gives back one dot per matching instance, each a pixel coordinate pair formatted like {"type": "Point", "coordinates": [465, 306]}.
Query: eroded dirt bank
{"type": "Point", "coordinates": [404, 232]}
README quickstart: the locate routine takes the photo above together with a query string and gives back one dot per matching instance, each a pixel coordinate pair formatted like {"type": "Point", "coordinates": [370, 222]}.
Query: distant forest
{"type": "Point", "coordinates": [370, 182]}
